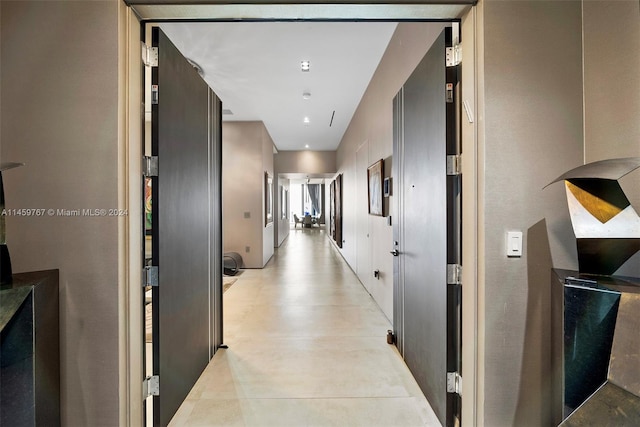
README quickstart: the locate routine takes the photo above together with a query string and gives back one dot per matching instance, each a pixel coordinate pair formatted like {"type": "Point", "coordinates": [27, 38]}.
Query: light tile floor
{"type": "Point", "coordinates": [307, 347]}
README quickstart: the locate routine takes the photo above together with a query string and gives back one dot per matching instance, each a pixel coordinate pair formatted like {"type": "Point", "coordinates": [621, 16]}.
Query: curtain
{"type": "Point", "coordinates": [314, 195]}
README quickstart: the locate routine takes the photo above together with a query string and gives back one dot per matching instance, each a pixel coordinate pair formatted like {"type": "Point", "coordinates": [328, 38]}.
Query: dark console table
{"type": "Point", "coordinates": [595, 349]}
{"type": "Point", "coordinates": [30, 350]}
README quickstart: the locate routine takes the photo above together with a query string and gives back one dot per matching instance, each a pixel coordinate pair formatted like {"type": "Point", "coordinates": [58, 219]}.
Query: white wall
{"type": "Point", "coordinates": [247, 153]}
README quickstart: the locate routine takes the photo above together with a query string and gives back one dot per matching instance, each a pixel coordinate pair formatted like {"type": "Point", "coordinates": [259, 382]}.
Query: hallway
{"type": "Point", "coordinates": [307, 347]}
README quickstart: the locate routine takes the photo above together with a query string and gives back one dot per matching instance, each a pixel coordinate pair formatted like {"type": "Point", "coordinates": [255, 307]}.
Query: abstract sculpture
{"type": "Point", "coordinates": [606, 226]}
{"type": "Point", "coordinates": [597, 345]}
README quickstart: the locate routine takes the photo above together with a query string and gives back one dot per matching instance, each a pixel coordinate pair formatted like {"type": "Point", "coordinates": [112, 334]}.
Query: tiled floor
{"type": "Point", "coordinates": [307, 347]}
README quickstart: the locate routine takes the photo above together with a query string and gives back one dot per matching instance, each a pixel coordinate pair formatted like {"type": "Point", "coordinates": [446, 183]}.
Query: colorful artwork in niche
{"type": "Point", "coordinates": [147, 205]}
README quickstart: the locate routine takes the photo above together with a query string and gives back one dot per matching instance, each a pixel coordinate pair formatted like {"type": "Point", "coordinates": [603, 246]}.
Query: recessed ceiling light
{"type": "Point", "coordinates": [305, 65]}
{"type": "Point", "coordinates": [306, 120]}
{"type": "Point", "coordinates": [306, 95]}
{"type": "Point", "coordinates": [306, 146]}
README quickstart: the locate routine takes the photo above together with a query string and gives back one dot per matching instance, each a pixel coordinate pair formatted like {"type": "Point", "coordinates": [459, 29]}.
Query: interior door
{"type": "Point", "coordinates": [187, 234]}
{"type": "Point", "coordinates": [426, 230]}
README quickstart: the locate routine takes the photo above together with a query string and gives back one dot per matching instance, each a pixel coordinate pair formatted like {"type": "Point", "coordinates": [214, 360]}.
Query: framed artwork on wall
{"type": "Point", "coordinates": [338, 212]}
{"type": "Point", "coordinates": [268, 199]}
{"type": "Point", "coordinates": [374, 186]}
{"type": "Point", "coordinates": [148, 222]}
{"type": "Point", "coordinates": [332, 210]}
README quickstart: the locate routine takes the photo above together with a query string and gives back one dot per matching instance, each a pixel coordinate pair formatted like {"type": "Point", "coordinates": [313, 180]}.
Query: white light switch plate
{"type": "Point", "coordinates": [514, 243]}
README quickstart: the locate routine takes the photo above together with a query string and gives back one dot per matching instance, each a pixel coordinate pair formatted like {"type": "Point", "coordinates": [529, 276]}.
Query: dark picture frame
{"type": "Point", "coordinates": [374, 188]}
{"type": "Point", "coordinates": [338, 210]}
{"type": "Point", "coordinates": [268, 199]}
{"type": "Point", "coordinates": [332, 210]}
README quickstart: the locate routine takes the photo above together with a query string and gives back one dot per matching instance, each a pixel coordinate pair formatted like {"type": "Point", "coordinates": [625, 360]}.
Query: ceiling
{"type": "Point", "coordinates": [254, 67]}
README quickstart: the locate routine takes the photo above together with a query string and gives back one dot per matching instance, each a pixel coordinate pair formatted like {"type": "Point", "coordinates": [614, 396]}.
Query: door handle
{"type": "Point", "coordinates": [394, 252]}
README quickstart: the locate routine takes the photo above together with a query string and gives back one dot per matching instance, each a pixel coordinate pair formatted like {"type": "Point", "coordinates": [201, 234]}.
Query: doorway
{"type": "Point", "coordinates": [145, 9]}
{"type": "Point", "coordinates": [427, 245]}
{"type": "Point", "coordinates": [183, 260]}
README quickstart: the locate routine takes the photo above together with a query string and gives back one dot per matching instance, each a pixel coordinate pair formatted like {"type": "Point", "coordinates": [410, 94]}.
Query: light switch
{"type": "Point", "coordinates": [514, 243]}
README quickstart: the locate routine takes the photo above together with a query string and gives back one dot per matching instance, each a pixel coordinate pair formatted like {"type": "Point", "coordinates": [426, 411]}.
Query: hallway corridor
{"type": "Point", "coordinates": [307, 347]}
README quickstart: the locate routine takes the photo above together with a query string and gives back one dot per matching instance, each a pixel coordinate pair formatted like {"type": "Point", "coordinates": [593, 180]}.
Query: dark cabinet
{"type": "Point", "coordinates": [595, 350]}
{"type": "Point", "coordinates": [30, 350]}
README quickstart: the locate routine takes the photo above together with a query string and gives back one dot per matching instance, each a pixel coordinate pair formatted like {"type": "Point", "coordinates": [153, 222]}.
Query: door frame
{"type": "Point", "coordinates": [130, 143]}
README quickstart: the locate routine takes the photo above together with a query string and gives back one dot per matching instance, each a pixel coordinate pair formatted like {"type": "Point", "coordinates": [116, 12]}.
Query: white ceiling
{"type": "Point", "coordinates": [255, 69]}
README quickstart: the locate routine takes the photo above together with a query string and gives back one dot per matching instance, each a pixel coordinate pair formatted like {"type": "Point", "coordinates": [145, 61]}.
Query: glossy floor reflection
{"type": "Point", "coordinates": [307, 347]}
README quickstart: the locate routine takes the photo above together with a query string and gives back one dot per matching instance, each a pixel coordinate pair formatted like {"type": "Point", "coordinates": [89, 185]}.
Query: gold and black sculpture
{"type": "Point", "coordinates": [606, 225]}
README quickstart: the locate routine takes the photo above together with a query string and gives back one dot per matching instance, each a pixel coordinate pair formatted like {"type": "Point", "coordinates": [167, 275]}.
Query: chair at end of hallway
{"type": "Point", "coordinates": [307, 221]}
{"type": "Point", "coordinates": [296, 221]}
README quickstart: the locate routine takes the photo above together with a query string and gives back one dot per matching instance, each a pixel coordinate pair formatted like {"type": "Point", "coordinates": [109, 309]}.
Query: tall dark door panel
{"type": "Point", "coordinates": [425, 328]}
{"type": "Point", "coordinates": [186, 226]}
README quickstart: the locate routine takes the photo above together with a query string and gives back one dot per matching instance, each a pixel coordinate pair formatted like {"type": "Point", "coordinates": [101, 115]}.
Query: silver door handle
{"type": "Point", "coordinates": [394, 252]}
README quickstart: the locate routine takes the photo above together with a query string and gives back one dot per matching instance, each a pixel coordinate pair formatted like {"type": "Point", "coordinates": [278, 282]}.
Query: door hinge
{"type": "Point", "coordinates": [454, 274]}
{"type": "Point", "coordinates": [150, 166]}
{"type": "Point", "coordinates": [149, 55]}
{"type": "Point", "coordinates": [454, 164]}
{"type": "Point", "coordinates": [454, 383]}
{"type": "Point", "coordinates": [151, 386]}
{"type": "Point", "coordinates": [150, 276]}
{"type": "Point", "coordinates": [453, 55]}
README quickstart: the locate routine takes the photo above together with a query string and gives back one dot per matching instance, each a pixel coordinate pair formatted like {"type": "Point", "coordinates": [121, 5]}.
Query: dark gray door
{"type": "Point", "coordinates": [425, 313]}
{"type": "Point", "coordinates": [186, 123]}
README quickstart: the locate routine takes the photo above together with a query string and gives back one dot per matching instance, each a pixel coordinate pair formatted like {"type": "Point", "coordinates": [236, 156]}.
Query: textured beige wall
{"type": "Point", "coordinates": [612, 79]}
{"type": "Point", "coordinates": [533, 133]}
{"type": "Point", "coordinates": [612, 91]}
{"type": "Point", "coordinates": [245, 158]}
{"type": "Point", "coordinates": [311, 162]}
{"type": "Point", "coordinates": [59, 105]}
